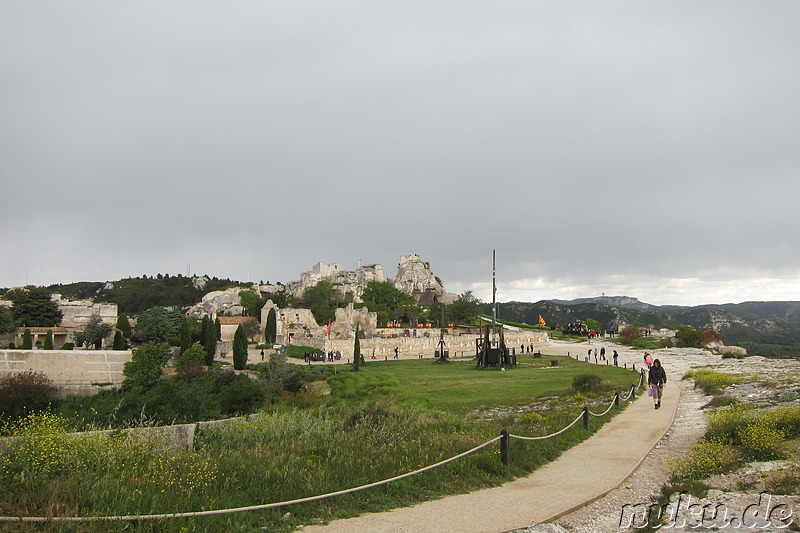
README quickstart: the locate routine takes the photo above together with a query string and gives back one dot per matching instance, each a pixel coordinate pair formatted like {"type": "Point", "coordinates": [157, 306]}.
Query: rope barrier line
{"type": "Point", "coordinates": [299, 500]}
{"type": "Point", "coordinates": [580, 416]}
{"type": "Point", "coordinates": [241, 509]}
{"type": "Point", "coordinates": [604, 412]}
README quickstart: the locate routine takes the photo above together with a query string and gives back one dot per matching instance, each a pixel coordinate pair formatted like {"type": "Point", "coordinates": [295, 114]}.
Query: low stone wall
{"type": "Point", "coordinates": [68, 367]}
{"type": "Point", "coordinates": [456, 345]}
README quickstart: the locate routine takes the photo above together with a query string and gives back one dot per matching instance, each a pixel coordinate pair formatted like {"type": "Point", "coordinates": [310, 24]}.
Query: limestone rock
{"type": "Point", "coordinates": [217, 302]}
{"type": "Point", "coordinates": [415, 277]}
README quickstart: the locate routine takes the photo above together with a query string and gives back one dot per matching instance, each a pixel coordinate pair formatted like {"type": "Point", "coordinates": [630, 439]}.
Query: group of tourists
{"type": "Point", "coordinates": [602, 354]}
{"type": "Point", "coordinates": [330, 357]}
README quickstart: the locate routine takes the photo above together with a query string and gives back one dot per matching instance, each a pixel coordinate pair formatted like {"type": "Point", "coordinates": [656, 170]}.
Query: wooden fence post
{"type": "Point", "coordinates": [505, 452]}
{"type": "Point", "coordinates": [585, 417]}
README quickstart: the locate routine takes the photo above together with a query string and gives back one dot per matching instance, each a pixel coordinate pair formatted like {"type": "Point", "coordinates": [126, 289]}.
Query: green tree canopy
{"type": "Point", "coordinates": [251, 302]}
{"type": "Point", "coordinates": [93, 332]}
{"type": "Point", "coordinates": [7, 324]}
{"type": "Point", "coordinates": [32, 307]}
{"type": "Point", "coordinates": [158, 324]}
{"type": "Point", "coordinates": [319, 299]}
{"type": "Point", "coordinates": [389, 302]}
{"type": "Point", "coordinates": [594, 325]}
{"type": "Point", "coordinates": [690, 337]}
{"type": "Point", "coordinates": [466, 309]}
{"type": "Point", "coordinates": [281, 299]}
{"type": "Point", "coordinates": [146, 365]}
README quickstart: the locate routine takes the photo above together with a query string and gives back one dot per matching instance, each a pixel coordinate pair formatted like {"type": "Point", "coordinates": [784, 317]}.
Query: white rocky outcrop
{"type": "Point", "coordinates": [415, 276]}
{"type": "Point", "coordinates": [217, 302]}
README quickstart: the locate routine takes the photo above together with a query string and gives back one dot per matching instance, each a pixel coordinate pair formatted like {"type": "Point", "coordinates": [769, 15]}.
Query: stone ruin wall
{"type": "Point", "coordinates": [456, 345]}
{"type": "Point", "coordinates": [78, 312]}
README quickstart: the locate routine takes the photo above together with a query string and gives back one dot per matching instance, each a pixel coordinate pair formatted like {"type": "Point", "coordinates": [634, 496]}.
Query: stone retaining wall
{"type": "Point", "coordinates": [68, 367]}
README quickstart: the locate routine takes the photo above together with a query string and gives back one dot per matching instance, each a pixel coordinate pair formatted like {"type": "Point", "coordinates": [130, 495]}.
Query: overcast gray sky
{"type": "Point", "coordinates": [644, 148]}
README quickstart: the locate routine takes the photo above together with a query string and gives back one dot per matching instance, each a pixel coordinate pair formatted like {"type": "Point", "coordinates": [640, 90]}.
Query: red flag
{"type": "Point", "coordinates": [329, 328]}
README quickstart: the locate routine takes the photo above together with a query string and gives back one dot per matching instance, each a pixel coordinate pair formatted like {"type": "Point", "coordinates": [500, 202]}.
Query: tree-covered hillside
{"type": "Point", "coordinates": [134, 295]}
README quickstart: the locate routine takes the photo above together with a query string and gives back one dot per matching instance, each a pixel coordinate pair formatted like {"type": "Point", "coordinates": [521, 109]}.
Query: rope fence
{"type": "Point", "coordinates": [504, 439]}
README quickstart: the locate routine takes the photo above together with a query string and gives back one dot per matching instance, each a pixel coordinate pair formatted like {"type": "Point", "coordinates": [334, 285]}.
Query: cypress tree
{"type": "Point", "coordinates": [185, 335]}
{"type": "Point", "coordinates": [239, 349]}
{"type": "Point", "coordinates": [218, 329]}
{"type": "Point", "coordinates": [27, 340]}
{"type": "Point", "coordinates": [119, 342]}
{"type": "Point", "coordinates": [271, 329]}
{"type": "Point", "coordinates": [210, 342]}
{"type": "Point", "coordinates": [48, 341]}
{"type": "Point", "coordinates": [356, 351]}
{"type": "Point", "coordinates": [124, 325]}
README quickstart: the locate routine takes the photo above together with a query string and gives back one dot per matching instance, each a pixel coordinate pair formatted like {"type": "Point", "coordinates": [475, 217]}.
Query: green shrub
{"type": "Point", "coordinates": [722, 401]}
{"type": "Point", "coordinates": [785, 482]}
{"type": "Point", "coordinates": [24, 392]}
{"type": "Point", "coordinates": [759, 432]}
{"type": "Point", "coordinates": [760, 440]}
{"type": "Point", "coordinates": [27, 340]}
{"type": "Point", "coordinates": [352, 386]}
{"type": "Point", "coordinates": [195, 353]}
{"type": "Point", "coordinates": [48, 341]}
{"type": "Point", "coordinates": [586, 382]}
{"type": "Point", "coordinates": [731, 355]}
{"type": "Point", "coordinates": [68, 346]}
{"type": "Point", "coordinates": [707, 458]}
{"type": "Point", "coordinates": [712, 381]}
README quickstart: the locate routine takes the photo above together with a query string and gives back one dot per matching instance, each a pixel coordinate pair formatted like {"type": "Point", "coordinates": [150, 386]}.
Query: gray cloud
{"type": "Point", "coordinates": [642, 147]}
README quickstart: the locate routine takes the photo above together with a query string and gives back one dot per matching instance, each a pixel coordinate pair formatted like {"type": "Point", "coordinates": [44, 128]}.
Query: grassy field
{"type": "Point", "coordinates": [459, 387]}
{"type": "Point", "coordinates": [357, 428]}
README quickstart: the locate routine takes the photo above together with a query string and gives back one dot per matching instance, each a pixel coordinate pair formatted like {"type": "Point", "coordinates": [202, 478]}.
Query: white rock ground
{"type": "Point", "coordinates": [609, 513]}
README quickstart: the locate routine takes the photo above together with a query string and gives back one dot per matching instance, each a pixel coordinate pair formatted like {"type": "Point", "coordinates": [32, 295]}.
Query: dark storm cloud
{"type": "Point", "coordinates": [645, 148]}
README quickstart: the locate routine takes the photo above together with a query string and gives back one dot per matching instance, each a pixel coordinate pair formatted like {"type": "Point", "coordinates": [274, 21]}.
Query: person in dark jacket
{"type": "Point", "coordinates": [656, 379]}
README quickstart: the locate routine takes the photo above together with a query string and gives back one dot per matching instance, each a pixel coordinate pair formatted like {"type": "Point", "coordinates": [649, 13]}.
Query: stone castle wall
{"type": "Point", "coordinates": [456, 345]}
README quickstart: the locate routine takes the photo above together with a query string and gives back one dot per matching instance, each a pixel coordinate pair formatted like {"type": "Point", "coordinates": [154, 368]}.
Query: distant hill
{"type": "Point", "coordinates": [764, 328]}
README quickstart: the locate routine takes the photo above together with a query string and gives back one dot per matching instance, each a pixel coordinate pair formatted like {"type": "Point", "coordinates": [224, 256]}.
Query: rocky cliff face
{"type": "Point", "coordinates": [414, 276]}
{"type": "Point", "coordinates": [217, 302]}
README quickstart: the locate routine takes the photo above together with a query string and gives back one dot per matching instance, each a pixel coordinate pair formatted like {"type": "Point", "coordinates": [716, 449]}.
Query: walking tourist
{"type": "Point", "coordinates": [656, 379]}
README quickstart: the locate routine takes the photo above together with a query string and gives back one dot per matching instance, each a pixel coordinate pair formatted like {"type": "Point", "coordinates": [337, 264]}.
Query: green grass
{"type": "Point", "coordinates": [391, 418]}
{"type": "Point", "coordinates": [459, 387]}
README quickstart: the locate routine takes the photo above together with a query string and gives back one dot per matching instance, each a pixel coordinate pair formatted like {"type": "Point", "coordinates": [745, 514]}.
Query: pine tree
{"type": "Point", "coordinates": [357, 351]}
{"type": "Point", "coordinates": [239, 349]}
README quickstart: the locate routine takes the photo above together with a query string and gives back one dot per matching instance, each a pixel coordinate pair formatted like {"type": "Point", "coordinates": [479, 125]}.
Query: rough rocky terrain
{"type": "Point", "coordinates": [773, 382]}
